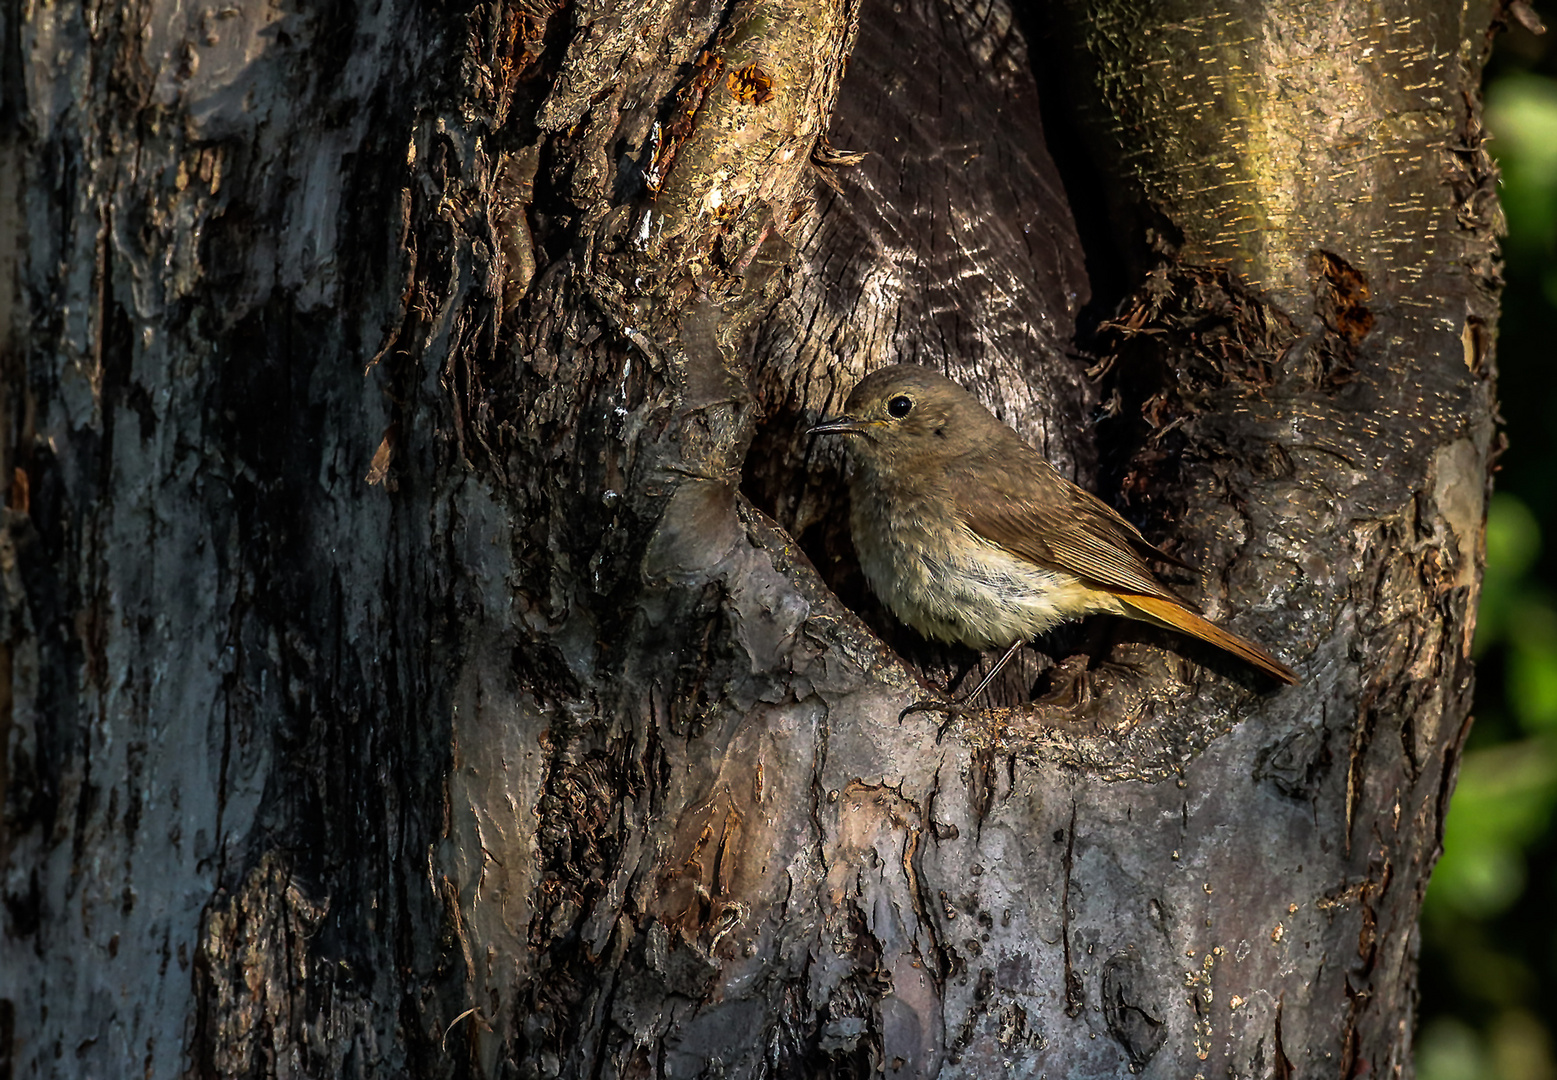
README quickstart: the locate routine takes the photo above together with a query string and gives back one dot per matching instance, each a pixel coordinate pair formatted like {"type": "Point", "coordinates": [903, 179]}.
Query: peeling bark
{"type": "Point", "coordinates": [430, 646]}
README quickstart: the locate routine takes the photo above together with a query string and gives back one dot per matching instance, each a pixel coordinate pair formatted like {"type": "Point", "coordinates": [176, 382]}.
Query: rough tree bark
{"type": "Point", "coordinates": [430, 646]}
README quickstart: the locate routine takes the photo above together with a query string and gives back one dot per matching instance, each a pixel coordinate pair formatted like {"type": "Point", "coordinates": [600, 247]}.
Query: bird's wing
{"type": "Point", "coordinates": [1034, 512]}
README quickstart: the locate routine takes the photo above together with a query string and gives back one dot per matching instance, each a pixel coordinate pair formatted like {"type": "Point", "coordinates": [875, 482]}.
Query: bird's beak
{"type": "Point", "coordinates": [840, 425]}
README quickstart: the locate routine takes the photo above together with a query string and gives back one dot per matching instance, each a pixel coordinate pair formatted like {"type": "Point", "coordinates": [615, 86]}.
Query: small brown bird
{"type": "Point", "coordinates": [969, 535]}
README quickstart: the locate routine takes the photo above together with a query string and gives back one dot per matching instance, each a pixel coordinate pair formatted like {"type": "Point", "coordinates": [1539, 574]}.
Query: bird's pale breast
{"type": "Point", "coordinates": [949, 583]}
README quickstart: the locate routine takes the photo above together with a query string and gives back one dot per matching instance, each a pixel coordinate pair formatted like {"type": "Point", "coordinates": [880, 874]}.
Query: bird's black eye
{"type": "Point", "coordinates": [899, 407]}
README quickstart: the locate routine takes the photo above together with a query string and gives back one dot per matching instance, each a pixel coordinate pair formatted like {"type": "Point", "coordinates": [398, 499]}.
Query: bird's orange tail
{"type": "Point", "coordinates": [1154, 609]}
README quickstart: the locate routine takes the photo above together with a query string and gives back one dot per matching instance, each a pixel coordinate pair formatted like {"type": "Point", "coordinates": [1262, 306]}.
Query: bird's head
{"type": "Point", "coordinates": [909, 413]}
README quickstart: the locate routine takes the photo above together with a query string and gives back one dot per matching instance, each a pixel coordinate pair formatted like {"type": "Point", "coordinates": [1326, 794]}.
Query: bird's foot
{"type": "Point", "coordinates": [954, 710]}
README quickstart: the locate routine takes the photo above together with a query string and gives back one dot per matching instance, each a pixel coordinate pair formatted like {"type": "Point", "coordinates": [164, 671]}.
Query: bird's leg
{"type": "Point", "coordinates": [996, 670]}
{"type": "Point", "coordinates": [955, 709]}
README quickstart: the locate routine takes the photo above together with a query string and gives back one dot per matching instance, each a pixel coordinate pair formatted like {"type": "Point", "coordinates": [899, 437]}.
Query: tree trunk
{"type": "Point", "coordinates": [431, 646]}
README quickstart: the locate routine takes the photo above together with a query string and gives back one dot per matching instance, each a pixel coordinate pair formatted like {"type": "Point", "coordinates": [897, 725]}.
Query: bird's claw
{"type": "Point", "coordinates": [920, 706]}
{"type": "Point", "coordinates": [953, 714]}
{"type": "Point", "coordinates": [927, 705]}
{"type": "Point", "coordinates": [954, 710]}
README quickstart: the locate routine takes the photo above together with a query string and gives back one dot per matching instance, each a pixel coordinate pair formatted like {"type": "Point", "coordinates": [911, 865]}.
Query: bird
{"type": "Point", "coordinates": [970, 536]}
